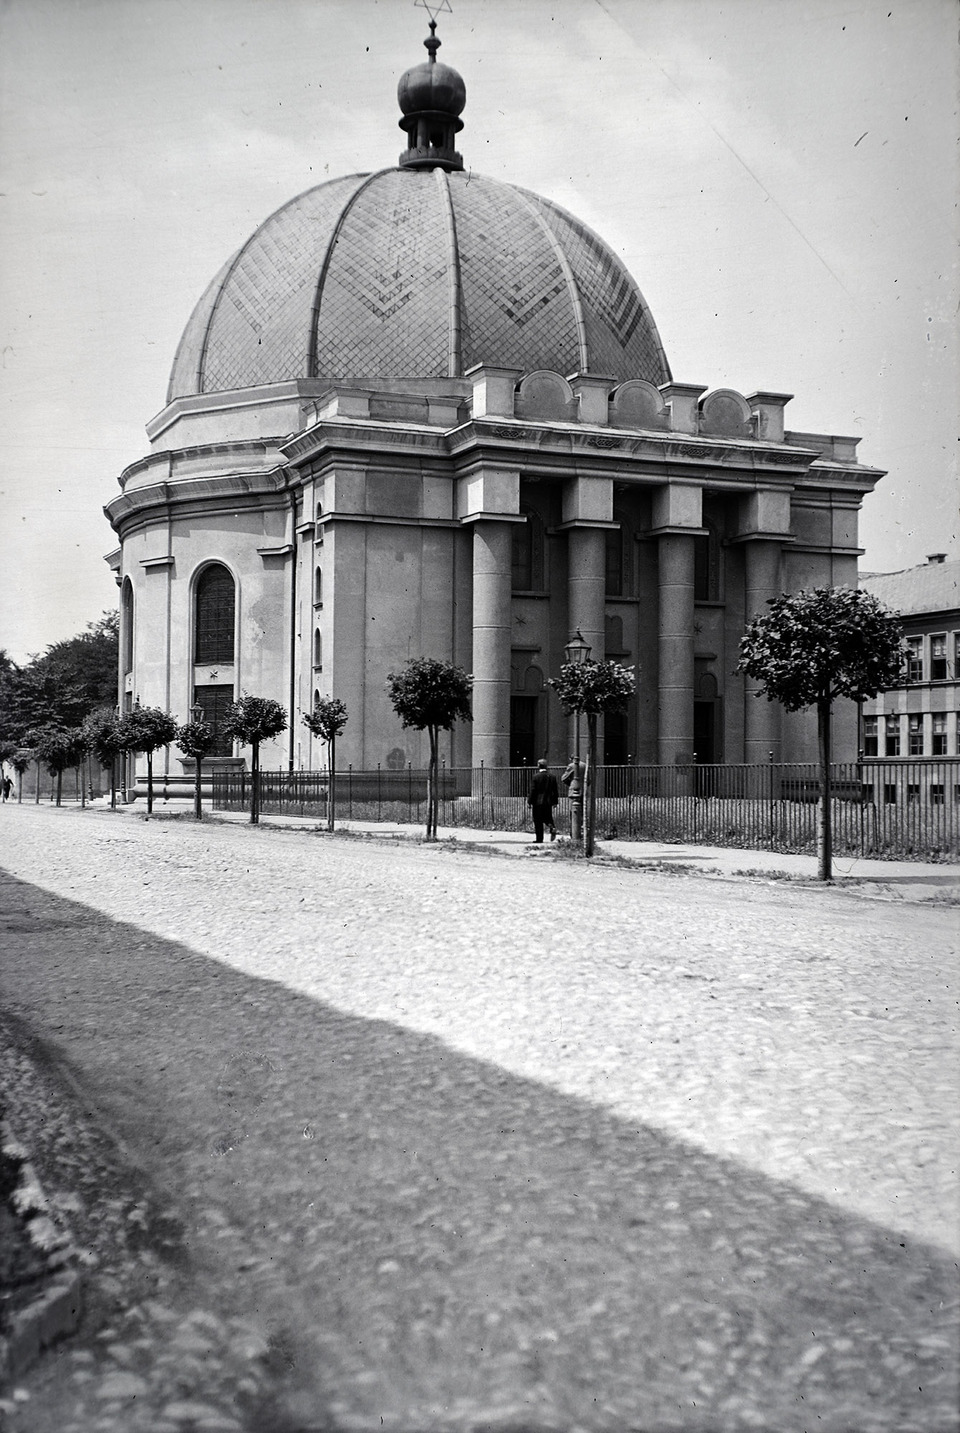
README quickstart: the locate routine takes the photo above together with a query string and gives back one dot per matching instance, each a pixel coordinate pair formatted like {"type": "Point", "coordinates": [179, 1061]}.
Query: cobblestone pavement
{"type": "Point", "coordinates": [360, 1135]}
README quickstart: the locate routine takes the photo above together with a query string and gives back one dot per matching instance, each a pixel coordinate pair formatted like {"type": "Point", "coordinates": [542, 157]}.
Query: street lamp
{"type": "Point", "coordinates": [577, 652]}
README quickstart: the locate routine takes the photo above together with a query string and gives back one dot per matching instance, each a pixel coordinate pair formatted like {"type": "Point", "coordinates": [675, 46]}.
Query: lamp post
{"type": "Point", "coordinates": [577, 652]}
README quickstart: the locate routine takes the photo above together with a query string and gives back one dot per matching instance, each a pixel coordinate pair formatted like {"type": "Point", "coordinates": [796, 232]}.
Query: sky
{"type": "Point", "coordinates": [781, 179]}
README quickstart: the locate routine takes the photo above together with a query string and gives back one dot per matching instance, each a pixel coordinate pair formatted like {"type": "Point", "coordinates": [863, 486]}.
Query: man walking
{"type": "Point", "coordinates": [544, 795]}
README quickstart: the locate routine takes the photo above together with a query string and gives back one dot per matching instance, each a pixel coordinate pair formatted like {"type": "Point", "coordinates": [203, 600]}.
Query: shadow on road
{"type": "Point", "coordinates": [446, 1245]}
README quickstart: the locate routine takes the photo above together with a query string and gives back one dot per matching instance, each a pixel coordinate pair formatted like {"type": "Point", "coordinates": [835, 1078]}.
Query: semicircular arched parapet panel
{"type": "Point", "coordinates": [724, 413]}
{"type": "Point", "coordinates": [707, 688]}
{"type": "Point", "coordinates": [545, 396]}
{"type": "Point", "coordinates": [533, 679]}
{"type": "Point", "coordinates": [637, 404]}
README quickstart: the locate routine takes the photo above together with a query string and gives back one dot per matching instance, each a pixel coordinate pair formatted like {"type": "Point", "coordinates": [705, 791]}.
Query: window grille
{"type": "Point", "coordinates": [215, 615]}
{"type": "Point", "coordinates": [213, 703]}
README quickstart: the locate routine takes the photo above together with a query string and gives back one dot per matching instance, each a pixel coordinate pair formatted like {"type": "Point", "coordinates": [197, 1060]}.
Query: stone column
{"type": "Point", "coordinates": [761, 719]}
{"type": "Point", "coordinates": [676, 648]}
{"type": "Point", "coordinates": [492, 552]}
{"type": "Point", "coordinates": [586, 586]}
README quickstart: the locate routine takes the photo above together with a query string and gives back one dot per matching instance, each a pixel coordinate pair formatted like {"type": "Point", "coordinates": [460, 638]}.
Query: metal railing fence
{"type": "Point", "coordinates": [896, 809]}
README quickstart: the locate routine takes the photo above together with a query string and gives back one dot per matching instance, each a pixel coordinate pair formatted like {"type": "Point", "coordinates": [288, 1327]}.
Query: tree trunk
{"type": "Point", "coordinates": [149, 783]}
{"type": "Point", "coordinates": [825, 843]}
{"type": "Point", "coordinates": [59, 784]}
{"type": "Point", "coordinates": [113, 783]}
{"type": "Point", "coordinates": [431, 784]}
{"type": "Point", "coordinates": [255, 785]}
{"type": "Point", "coordinates": [197, 799]}
{"type": "Point", "coordinates": [331, 794]}
{"type": "Point", "coordinates": [36, 798]}
{"type": "Point", "coordinates": [590, 786]}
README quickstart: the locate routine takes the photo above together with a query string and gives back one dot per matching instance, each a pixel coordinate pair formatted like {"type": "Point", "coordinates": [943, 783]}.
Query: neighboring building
{"type": "Point", "coordinates": [421, 412]}
{"type": "Point", "coordinates": [921, 717]}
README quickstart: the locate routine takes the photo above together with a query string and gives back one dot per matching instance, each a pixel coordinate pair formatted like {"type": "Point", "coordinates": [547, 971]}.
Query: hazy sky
{"type": "Point", "coordinates": [780, 178]}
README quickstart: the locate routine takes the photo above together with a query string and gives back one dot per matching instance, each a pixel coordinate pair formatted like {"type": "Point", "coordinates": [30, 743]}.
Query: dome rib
{"type": "Point", "coordinates": [312, 339]}
{"type": "Point", "coordinates": [455, 358]}
{"type": "Point", "coordinates": [573, 290]}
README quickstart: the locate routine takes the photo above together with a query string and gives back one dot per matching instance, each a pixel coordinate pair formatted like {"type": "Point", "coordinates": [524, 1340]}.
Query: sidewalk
{"type": "Point", "coordinates": [890, 880]}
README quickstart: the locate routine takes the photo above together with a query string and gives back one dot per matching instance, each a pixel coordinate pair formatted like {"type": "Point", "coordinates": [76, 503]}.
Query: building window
{"type": "Point", "coordinates": [890, 794]}
{"type": "Point", "coordinates": [213, 703]}
{"type": "Point", "coordinates": [914, 667]}
{"type": "Point", "coordinates": [871, 736]}
{"type": "Point", "coordinates": [891, 743]}
{"type": "Point", "coordinates": [126, 625]}
{"type": "Point", "coordinates": [318, 587]}
{"type": "Point", "coordinates": [613, 562]}
{"type": "Point", "coordinates": [939, 747]}
{"type": "Point", "coordinates": [527, 554]}
{"type": "Point", "coordinates": [937, 794]}
{"type": "Point", "coordinates": [938, 657]}
{"type": "Point", "coordinates": [913, 792]}
{"type": "Point", "coordinates": [915, 736]}
{"type": "Point", "coordinates": [215, 615]}
{"type": "Point", "coordinates": [318, 651]}
{"type": "Point", "coordinates": [706, 564]}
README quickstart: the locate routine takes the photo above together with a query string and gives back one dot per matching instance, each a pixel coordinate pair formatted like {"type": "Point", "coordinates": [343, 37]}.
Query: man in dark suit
{"type": "Point", "coordinates": [544, 795]}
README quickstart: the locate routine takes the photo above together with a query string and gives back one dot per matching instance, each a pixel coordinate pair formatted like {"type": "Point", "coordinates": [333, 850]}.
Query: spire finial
{"type": "Point", "coordinates": [432, 97]}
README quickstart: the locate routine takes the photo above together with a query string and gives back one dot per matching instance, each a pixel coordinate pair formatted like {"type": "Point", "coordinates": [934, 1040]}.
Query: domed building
{"type": "Point", "coordinates": [423, 412]}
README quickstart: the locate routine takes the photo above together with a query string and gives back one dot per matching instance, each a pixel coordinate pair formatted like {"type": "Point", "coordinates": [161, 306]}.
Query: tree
{"type": "Point", "coordinates": [430, 696]}
{"type": "Point", "coordinates": [327, 720]}
{"type": "Point", "coordinates": [20, 760]}
{"type": "Point", "coordinates": [146, 729]}
{"type": "Point", "coordinates": [58, 748]}
{"type": "Point", "coordinates": [102, 731]}
{"type": "Point", "coordinates": [252, 720]}
{"type": "Point", "coordinates": [593, 688]}
{"type": "Point", "coordinates": [814, 646]}
{"type": "Point", "coordinates": [196, 739]}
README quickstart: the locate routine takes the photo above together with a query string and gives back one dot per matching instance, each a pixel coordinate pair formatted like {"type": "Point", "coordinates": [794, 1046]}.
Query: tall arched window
{"type": "Point", "coordinates": [317, 650]}
{"type": "Point", "coordinates": [126, 625]}
{"type": "Point", "coordinates": [216, 607]}
{"type": "Point", "coordinates": [317, 586]}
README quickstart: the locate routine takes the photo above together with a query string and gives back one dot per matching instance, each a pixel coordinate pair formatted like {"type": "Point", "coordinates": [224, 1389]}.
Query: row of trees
{"type": "Point", "coordinates": [806, 650]}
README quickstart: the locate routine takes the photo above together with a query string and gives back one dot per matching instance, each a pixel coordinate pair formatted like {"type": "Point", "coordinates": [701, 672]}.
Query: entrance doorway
{"type": "Point", "coordinates": [705, 733]}
{"type": "Point", "coordinates": [523, 731]}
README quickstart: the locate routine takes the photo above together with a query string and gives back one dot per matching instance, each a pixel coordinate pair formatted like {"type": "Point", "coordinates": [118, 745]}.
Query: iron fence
{"type": "Point", "coordinates": [890, 809]}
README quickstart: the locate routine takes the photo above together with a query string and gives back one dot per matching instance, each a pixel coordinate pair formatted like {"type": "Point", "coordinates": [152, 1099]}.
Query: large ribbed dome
{"type": "Point", "coordinates": [412, 273]}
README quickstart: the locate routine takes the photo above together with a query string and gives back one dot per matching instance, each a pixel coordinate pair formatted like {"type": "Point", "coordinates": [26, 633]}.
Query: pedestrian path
{"type": "Point", "coordinates": [895, 880]}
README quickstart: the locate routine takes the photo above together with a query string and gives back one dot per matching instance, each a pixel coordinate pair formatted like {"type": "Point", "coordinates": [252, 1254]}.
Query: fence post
{"type": "Point", "coordinates": [379, 802]}
{"type": "Point", "coordinates": [770, 841]}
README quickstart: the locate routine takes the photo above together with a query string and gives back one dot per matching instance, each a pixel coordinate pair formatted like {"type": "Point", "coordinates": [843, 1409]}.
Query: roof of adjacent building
{"type": "Point", "coordinates": [932, 587]}
{"type": "Point", "coordinates": [412, 274]}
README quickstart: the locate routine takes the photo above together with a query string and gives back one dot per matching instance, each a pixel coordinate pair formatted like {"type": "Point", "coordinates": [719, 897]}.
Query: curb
{"type": "Point", "coordinates": [55, 1302]}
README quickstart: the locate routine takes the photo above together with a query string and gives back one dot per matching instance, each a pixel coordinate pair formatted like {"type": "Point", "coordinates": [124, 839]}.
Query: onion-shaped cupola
{"type": "Point", "coordinates": [432, 97]}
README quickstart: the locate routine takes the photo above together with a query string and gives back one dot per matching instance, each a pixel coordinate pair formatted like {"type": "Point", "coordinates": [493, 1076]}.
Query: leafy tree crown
{"type": "Point", "coordinates": [428, 693]}
{"type": "Point", "coordinates": [196, 739]}
{"type": "Point", "coordinates": [594, 687]}
{"type": "Point", "coordinates": [827, 642]}
{"type": "Point", "coordinates": [146, 729]}
{"type": "Point", "coordinates": [328, 718]}
{"type": "Point", "coordinates": [254, 719]}
{"type": "Point", "coordinates": [58, 747]}
{"type": "Point", "coordinates": [102, 731]}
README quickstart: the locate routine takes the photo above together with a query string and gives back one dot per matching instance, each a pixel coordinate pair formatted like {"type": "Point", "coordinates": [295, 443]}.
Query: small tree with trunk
{"type": "Point", "coordinates": [593, 689]}
{"type": "Point", "coordinates": [811, 647]}
{"type": "Point", "coordinates": [146, 729]}
{"type": "Point", "coordinates": [430, 696]}
{"type": "Point", "coordinates": [102, 731]}
{"type": "Point", "coordinates": [20, 760]}
{"type": "Point", "coordinates": [58, 749]}
{"type": "Point", "coordinates": [327, 720]}
{"type": "Point", "coordinates": [251, 720]}
{"type": "Point", "coordinates": [196, 739]}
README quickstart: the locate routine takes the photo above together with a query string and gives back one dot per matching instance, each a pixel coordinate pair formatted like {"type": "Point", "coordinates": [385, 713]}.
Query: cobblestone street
{"type": "Point", "coordinates": [363, 1135]}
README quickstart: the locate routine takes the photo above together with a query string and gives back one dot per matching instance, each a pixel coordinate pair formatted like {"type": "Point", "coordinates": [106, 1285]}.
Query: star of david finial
{"type": "Point", "coordinates": [433, 8]}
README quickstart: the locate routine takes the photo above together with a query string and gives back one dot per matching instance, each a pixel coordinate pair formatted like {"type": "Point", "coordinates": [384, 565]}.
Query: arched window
{"type": "Point", "coordinates": [126, 625]}
{"type": "Point", "coordinates": [527, 552]}
{"type": "Point", "coordinates": [317, 586]}
{"type": "Point", "coordinates": [216, 606]}
{"type": "Point", "coordinates": [318, 650]}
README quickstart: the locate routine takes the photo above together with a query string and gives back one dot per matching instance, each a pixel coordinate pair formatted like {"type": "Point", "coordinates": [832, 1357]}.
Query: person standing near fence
{"type": "Point", "coordinates": [544, 795]}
